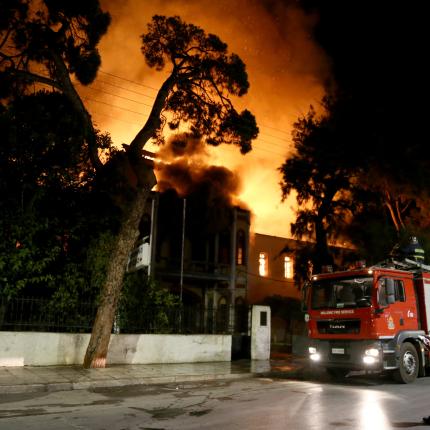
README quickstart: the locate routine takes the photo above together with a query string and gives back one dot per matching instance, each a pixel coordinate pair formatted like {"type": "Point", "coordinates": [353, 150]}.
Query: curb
{"type": "Point", "coordinates": [50, 387]}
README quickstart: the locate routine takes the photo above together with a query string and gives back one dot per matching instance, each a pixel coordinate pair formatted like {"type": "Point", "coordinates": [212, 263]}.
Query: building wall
{"type": "Point", "coordinates": [46, 349]}
{"type": "Point", "coordinates": [286, 326]}
{"type": "Point", "coordinates": [274, 282]}
{"type": "Point", "coordinates": [215, 268]}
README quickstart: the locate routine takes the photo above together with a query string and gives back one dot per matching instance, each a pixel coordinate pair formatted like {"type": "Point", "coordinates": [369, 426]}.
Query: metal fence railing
{"type": "Point", "coordinates": [29, 314]}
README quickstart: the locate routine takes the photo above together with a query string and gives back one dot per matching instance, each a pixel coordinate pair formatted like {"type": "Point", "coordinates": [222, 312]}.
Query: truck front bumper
{"type": "Point", "coordinates": [349, 354]}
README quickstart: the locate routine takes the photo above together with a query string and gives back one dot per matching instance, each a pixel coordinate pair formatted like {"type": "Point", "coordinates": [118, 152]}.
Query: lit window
{"type": "Point", "coordinates": [288, 267]}
{"type": "Point", "coordinates": [262, 264]}
{"type": "Point", "coordinates": [239, 256]}
{"type": "Point", "coordinates": [240, 249]}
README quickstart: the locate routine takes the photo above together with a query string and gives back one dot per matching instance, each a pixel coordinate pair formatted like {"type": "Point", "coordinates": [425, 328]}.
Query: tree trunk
{"type": "Point", "coordinates": [145, 178]}
{"type": "Point", "coordinates": [125, 241]}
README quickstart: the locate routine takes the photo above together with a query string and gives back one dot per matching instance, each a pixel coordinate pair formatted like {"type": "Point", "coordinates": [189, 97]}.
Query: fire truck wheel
{"type": "Point", "coordinates": [337, 372]}
{"type": "Point", "coordinates": [408, 364]}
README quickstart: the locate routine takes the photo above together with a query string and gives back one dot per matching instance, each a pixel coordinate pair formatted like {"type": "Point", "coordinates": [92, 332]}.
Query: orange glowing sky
{"type": "Point", "coordinates": [286, 70]}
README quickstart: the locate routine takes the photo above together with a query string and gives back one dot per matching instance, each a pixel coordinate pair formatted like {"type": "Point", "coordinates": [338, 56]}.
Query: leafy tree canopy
{"type": "Point", "coordinates": [320, 174]}
{"type": "Point", "coordinates": [348, 180]}
{"type": "Point", "coordinates": [45, 43]}
{"type": "Point", "coordinates": [203, 78]}
{"type": "Point", "coordinates": [49, 31]}
{"type": "Point", "coordinates": [50, 207]}
{"type": "Point", "coordinates": [379, 77]}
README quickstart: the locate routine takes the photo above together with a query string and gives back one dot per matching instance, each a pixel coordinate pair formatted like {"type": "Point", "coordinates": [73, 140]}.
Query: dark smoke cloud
{"type": "Point", "coordinates": [181, 145]}
{"type": "Point", "coordinates": [184, 167]}
{"type": "Point", "coordinates": [210, 191]}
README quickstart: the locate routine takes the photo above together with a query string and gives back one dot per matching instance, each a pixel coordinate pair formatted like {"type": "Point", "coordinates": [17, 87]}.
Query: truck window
{"type": "Point", "coordinates": [341, 293]}
{"type": "Point", "coordinates": [399, 291]}
{"type": "Point", "coordinates": [382, 293]}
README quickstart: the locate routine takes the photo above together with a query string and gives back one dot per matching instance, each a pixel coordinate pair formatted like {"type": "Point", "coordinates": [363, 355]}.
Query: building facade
{"type": "Point", "coordinates": [199, 253]}
{"type": "Point", "coordinates": [271, 282]}
{"type": "Point", "coordinates": [271, 268]}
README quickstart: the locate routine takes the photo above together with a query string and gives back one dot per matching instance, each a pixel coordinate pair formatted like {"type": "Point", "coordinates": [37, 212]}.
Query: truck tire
{"type": "Point", "coordinates": [337, 372]}
{"type": "Point", "coordinates": [409, 364]}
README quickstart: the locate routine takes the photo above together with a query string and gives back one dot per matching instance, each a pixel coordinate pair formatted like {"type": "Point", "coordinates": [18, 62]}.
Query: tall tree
{"type": "Point", "coordinates": [202, 77]}
{"type": "Point", "coordinates": [321, 177]}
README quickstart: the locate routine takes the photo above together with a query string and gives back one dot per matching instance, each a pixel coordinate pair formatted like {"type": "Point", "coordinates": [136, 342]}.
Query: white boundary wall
{"type": "Point", "coordinates": [46, 349]}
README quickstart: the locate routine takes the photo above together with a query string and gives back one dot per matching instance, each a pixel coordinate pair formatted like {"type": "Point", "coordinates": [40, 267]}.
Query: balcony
{"type": "Point", "coordinates": [193, 269]}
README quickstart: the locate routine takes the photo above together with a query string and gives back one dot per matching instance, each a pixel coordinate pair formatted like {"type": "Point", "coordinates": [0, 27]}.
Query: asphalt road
{"type": "Point", "coordinates": [359, 402]}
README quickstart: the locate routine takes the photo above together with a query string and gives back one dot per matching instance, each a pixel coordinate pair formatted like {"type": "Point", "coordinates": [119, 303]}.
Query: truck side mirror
{"type": "Point", "coordinates": [305, 296]}
{"type": "Point", "coordinates": [391, 295]}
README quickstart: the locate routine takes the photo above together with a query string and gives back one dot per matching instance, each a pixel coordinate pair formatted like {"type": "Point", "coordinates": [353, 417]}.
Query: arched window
{"type": "Point", "coordinates": [222, 301]}
{"type": "Point", "coordinates": [240, 248]}
{"type": "Point", "coordinates": [239, 301]}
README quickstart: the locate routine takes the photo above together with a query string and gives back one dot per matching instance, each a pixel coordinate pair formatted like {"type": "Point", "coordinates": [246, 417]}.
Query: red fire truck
{"type": "Point", "coordinates": [373, 318]}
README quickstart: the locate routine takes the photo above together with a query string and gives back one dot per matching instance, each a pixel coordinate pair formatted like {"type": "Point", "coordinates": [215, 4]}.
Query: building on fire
{"type": "Point", "coordinates": [207, 255]}
{"type": "Point", "coordinates": [199, 252]}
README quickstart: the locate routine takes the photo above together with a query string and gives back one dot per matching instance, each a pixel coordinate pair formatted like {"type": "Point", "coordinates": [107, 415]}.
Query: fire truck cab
{"type": "Point", "coordinates": [375, 319]}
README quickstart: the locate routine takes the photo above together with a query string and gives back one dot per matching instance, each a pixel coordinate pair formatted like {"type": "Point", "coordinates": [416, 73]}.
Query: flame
{"type": "Point", "coordinates": [285, 67]}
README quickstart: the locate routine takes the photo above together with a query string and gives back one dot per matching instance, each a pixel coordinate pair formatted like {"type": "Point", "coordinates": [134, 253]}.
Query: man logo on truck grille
{"type": "Point", "coordinates": [337, 326]}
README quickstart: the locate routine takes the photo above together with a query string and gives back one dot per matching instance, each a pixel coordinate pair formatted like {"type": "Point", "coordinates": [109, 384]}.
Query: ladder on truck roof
{"type": "Point", "coordinates": [406, 264]}
{"type": "Point", "coordinates": [411, 265]}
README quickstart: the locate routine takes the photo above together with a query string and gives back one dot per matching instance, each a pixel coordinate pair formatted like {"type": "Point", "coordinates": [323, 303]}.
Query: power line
{"type": "Point", "coordinates": [116, 107]}
{"type": "Point", "coordinates": [95, 112]}
{"type": "Point", "coordinates": [156, 89]}
{"type": "Point", "coordinates": [276, 137]}
{"type": "Point", "coordinates": [142, 114]}
{"type": "Point", "coordinates": [125, 89]}
{"type": "Point", "coordinates": [254, 148]}
{"type": "Point", "coordinates": [152, 97]}
{"type": "Point", "coordinates": [128, 80]}
{"type": "Point", "coordinates": [150, 106]}
{"type": "Point", "coordinates": [277, 129]}
{"type": "Point", "coordinates": [118, 96]}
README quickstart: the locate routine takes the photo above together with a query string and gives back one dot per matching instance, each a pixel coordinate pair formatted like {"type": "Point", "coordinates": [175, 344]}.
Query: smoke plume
{"type": "Point", "coordinates": [184, 167]}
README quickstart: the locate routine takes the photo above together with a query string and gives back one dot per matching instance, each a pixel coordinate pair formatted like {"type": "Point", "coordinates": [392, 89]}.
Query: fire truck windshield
{"type": "Point", "coordinates": [341, 293]}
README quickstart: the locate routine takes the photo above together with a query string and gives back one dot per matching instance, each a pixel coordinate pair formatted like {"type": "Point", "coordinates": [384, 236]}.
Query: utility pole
{"type": "Point", "coordinates": [181, 282]}
{"type": "Point", "coordinates": [152, 236]}
{"type": "Point", "coordinates": [232, 286]}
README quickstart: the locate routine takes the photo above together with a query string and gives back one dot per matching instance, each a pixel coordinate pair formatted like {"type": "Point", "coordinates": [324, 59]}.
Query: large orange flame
{"type": "Point", "coordinates": [286, 70]}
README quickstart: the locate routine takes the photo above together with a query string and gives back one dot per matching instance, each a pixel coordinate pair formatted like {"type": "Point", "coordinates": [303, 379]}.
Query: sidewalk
{"type": "Point", "coordinates": [65, 378]}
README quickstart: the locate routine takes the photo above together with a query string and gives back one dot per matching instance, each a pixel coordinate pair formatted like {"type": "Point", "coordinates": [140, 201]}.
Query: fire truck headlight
{"type": "Point", "coordinates": [371, 356]}
{"type": "Point", "coordinates": [367, 359]}
{"type": "Point", "coordinates": [313, 354]}
{"type": "Point", "coordinates": [372, 352]}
